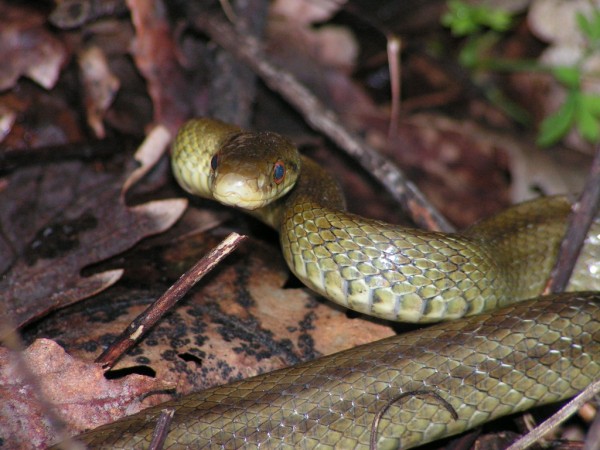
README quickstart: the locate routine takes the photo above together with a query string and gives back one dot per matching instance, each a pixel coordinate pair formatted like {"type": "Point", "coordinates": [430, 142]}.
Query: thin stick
{"type": "Point", "coordinates": [15, 159]}
{"type": "Point", "coordinates": [228, 11]}
{"type": "Point", "coordinates": [592, 440]}
{"type": "Point", "coordinates": [396, 399]}
{"type": "Point", "coordinates": [394, 43]}
{"type": "Point", "coordinates": [584, 212]}
{"type": "Point", "coordinates": [161, 430]}
{"type": "Point", "coordinates": [563, 414]}
{"type": "Point", "coordinates": [140, 326]}
{"type": "Point", "coordinates": [325, 120]}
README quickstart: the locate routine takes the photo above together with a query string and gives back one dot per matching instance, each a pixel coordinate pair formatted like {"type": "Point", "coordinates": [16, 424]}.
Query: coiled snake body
{"type": "Point", "coordinates": [405, 390]}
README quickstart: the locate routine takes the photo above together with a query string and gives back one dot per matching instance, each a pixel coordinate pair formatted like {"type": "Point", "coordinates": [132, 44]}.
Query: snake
{"type": "Point", "coordinates": [499, 349]}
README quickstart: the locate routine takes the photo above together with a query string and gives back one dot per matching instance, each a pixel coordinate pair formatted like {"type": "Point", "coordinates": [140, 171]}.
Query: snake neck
{"type": "Point", "coordinates": [306, 194]}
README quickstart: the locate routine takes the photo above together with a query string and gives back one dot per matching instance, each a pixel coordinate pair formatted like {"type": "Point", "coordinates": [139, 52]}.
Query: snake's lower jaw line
{"type": "Point", "coordinates": [233, 199]}
{"type": "Point", "coordinates": [233, 190]}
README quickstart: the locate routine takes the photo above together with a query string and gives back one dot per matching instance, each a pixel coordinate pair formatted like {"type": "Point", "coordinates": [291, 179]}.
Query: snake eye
{"type": "Point", "coordinates": [279, 172]}
{"type": "Point", "coordinates": [214, 162]}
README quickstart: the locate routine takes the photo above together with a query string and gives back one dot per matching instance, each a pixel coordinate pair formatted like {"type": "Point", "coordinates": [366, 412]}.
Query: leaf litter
{"type": "Point", "coordinates": [56, 220]}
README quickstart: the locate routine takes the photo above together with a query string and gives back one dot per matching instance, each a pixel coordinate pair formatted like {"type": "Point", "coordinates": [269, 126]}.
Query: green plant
{"type": "Point", "coordinates": [580, 110]}
{"type": "Point", "coordinates": [483, 26]}
{"type": "Point", "coordinates": [464, 19]}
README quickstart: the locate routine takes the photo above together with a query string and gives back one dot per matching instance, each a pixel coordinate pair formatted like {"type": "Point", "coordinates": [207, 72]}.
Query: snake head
{"type": "Point", "coordinates": [251, 170]}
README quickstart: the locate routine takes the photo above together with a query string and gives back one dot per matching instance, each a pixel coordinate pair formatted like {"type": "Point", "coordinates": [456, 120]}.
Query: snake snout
{"type": "Point", "coordinates": [237, 190]}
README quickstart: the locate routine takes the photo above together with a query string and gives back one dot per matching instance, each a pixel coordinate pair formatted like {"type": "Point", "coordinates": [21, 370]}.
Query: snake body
{"type": "Point", "coordinates": [383, 270]}
{"type": "Point", "coordinates": [483, 366]}
{"type": "Point", "coordinates": [408, 389]}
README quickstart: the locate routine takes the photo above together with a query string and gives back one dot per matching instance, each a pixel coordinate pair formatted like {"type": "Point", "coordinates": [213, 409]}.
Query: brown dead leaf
{"type": "Point", "coordinates": [307, 12]}
{"type": "Point", "coordinates": [457, 165]}
{"type": "Point", "coordinates": [82, 396]}
{"type": "Point", "coordinates": [101, 86]}
{"type": "Point", "coordinates": [238, 322]}
{"type": "Point", "coordinates": [28, 48]}
{"type": "Point", "coordinates": [322, 58]}
{"type": "Point", "coordinates": [475, 171]}
{"type": "Point", "coordinates": [155, 53]}
{"type": "Point", "coordinates": [58, 219]}
{"type": "Point", "coordinates": [332, 46]}
{"type": "Point", "coordinates": [290, 34]}
{"type": "Point", "coordinates": [42, 119]}
{"type": "Point", "coordinates": [75, 13]}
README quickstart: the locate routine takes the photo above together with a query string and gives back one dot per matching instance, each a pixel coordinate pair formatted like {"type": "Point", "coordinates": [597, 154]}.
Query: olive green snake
{"type": "Point", "coordinates": [507, 356]}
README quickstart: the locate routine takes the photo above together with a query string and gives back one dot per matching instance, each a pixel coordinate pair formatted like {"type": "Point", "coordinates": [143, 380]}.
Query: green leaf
{"type": "Point", "coordinates": [496, 19]}
{"type": "Point", "coordinates": [589, 26]}
{"type": "Point", "coordinates": [511, 108]}
{"type": "Point", "coordinates": [568, 75]}
{"type": "Point", "coordinates": [465, 19]}
{"type": "Point", "coordinates": [459, 18]}
{"type": "Point", "coordinates": [556, 125]}
{"type": "Point", "coordinates": [591, 102]}
{"type": "Point", "coordinates": [475, 47]}
{"type": "Point", "coordinates": [588, 117]}
{"type": "Point", "coordinates": [584, 25]}
{"type": "Point", "coordinates": [587, 125]}
{"type": "Point", "coordinates": [469, 54]}
{"type": "Point", "coordinates": [595, 25]}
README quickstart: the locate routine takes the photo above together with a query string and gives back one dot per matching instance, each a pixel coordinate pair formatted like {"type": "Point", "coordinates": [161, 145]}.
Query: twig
{"type": "Point", "coordinates": [14, 159]}
{"type": "Point", "coordinates": [154, 312]}
{"type": "Point", "coordinates": [563, 414]}
{"type": "Point", "coordinates": [394, 44]}
{"type": "Point", "coordinates": [592, 440]}
{"type": "Point", "coordinates": [321, 118]}
{"type": "Point", "coordinates": [584, 212]}
{"type": "Point", "coordinates": [402, 396]}
{"type": "Point", "coordinates": [162, 429]}
{"type": "Point", "coordinates": [228, 11]}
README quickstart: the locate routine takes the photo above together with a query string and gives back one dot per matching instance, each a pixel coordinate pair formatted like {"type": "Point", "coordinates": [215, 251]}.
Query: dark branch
{"type": "Point", "coordinates": [145, 321]}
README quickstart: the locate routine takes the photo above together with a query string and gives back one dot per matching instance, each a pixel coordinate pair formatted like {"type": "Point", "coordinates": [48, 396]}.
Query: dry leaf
{"type": "Point", "coordinates": [291, 34]}
{"type": "Point", "coordinates": [155, 54]}
{"type": "Point", "coordinates": [74, 13]}
{"type": "Point", "coordinates": [28, 48]}
{"type": "Point", "coordinates": [80, 393]}
{"type": "Point", "coordinates": [58, 219]}
{"type": "Point", "coordinates": [306, 11]}
{"type": "Point", "coordinates": [100, 84]}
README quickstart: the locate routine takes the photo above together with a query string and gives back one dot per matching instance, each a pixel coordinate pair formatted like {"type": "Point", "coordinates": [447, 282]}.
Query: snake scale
{"type": "Point", "coordinates": [507, 356]}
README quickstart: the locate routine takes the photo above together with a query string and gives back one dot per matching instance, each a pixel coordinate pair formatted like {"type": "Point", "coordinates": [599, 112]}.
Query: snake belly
{"type": "Point", "coordinates": [410, 389]}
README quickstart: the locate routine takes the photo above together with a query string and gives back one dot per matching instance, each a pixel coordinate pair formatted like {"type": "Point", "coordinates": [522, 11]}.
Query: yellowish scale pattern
{"type": "Point", "coordinates": [403, 275]}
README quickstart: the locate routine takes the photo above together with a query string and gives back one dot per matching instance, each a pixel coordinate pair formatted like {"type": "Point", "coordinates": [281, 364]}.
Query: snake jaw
{"type": "Point", "coordinates": [237, 190]}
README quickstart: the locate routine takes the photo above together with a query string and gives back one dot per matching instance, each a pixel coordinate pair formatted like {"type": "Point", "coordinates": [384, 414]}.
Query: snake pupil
{"type": "Point", "coordinates": [214, 162]}
{"type": "Point", "coordinates": [279, 172]}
